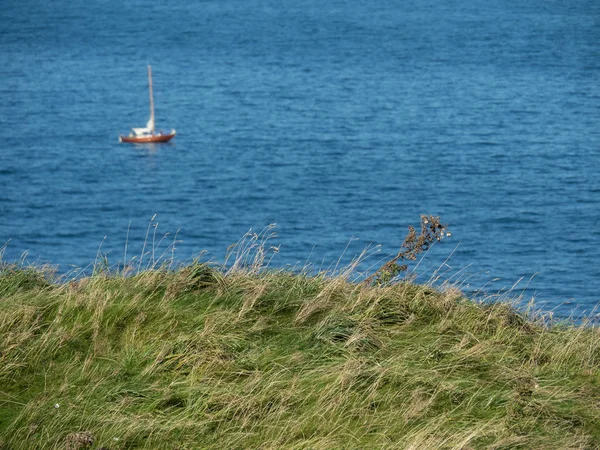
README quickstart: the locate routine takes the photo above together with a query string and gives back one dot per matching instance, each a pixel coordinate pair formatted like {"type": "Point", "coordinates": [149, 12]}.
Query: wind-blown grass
{"type": "Point", "coordinates": [200, 357]}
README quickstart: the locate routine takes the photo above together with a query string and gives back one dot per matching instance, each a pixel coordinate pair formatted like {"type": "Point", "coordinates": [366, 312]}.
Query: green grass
{"type": "Point", "coordinates": [201, 358]}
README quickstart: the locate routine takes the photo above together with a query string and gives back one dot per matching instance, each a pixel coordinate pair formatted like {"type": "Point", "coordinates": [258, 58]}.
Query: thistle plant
{"type": "Point", "coordinates": [432, 230]}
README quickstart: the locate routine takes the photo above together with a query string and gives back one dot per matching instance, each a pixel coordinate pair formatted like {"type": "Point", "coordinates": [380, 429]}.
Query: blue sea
{"type": "Point", "coordinates": [341, 121]}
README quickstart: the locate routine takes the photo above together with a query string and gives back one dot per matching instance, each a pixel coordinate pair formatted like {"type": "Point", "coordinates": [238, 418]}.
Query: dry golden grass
{"type": "Point", "coordinates": [244, 358]}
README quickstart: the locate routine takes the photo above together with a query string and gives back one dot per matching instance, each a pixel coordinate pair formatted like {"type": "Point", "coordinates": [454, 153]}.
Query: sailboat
{"type": "Point", "coordinates": [148, 133]}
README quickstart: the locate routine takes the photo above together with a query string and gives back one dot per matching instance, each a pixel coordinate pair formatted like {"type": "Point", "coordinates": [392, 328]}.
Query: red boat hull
{"type": "Point", "coordinates": [147, 139]}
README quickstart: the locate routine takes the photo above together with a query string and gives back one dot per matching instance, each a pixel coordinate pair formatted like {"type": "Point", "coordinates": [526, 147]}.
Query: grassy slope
{"type": "Point", "coordinates": [198, 359]}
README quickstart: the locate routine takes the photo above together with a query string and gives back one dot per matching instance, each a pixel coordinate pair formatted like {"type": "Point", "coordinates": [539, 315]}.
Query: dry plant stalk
{"type": "Point", "coordinates": [432, 230]}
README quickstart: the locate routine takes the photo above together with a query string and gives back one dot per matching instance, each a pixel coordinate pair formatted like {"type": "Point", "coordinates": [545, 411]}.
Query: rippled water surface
{"type": "Point", "coordinates": [335, 120]}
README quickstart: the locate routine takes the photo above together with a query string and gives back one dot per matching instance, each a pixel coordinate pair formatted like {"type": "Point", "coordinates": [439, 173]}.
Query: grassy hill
{"type": "Point", "coordinates": [202, 358]}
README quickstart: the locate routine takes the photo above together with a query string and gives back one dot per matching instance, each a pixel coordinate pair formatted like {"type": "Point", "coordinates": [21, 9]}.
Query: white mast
{"type": "Point", "coordinates": [150, 123]}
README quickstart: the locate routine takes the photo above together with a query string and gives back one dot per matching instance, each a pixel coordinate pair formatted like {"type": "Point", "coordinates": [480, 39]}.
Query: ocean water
{"type": "Point", "coordinates": [342, 122]}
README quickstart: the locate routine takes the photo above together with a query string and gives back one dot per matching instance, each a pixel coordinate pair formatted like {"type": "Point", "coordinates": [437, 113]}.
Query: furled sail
{"type": "Point", "coordinates": [141, 131]}
{"type": "Point", "coordinates": [148, 129]}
